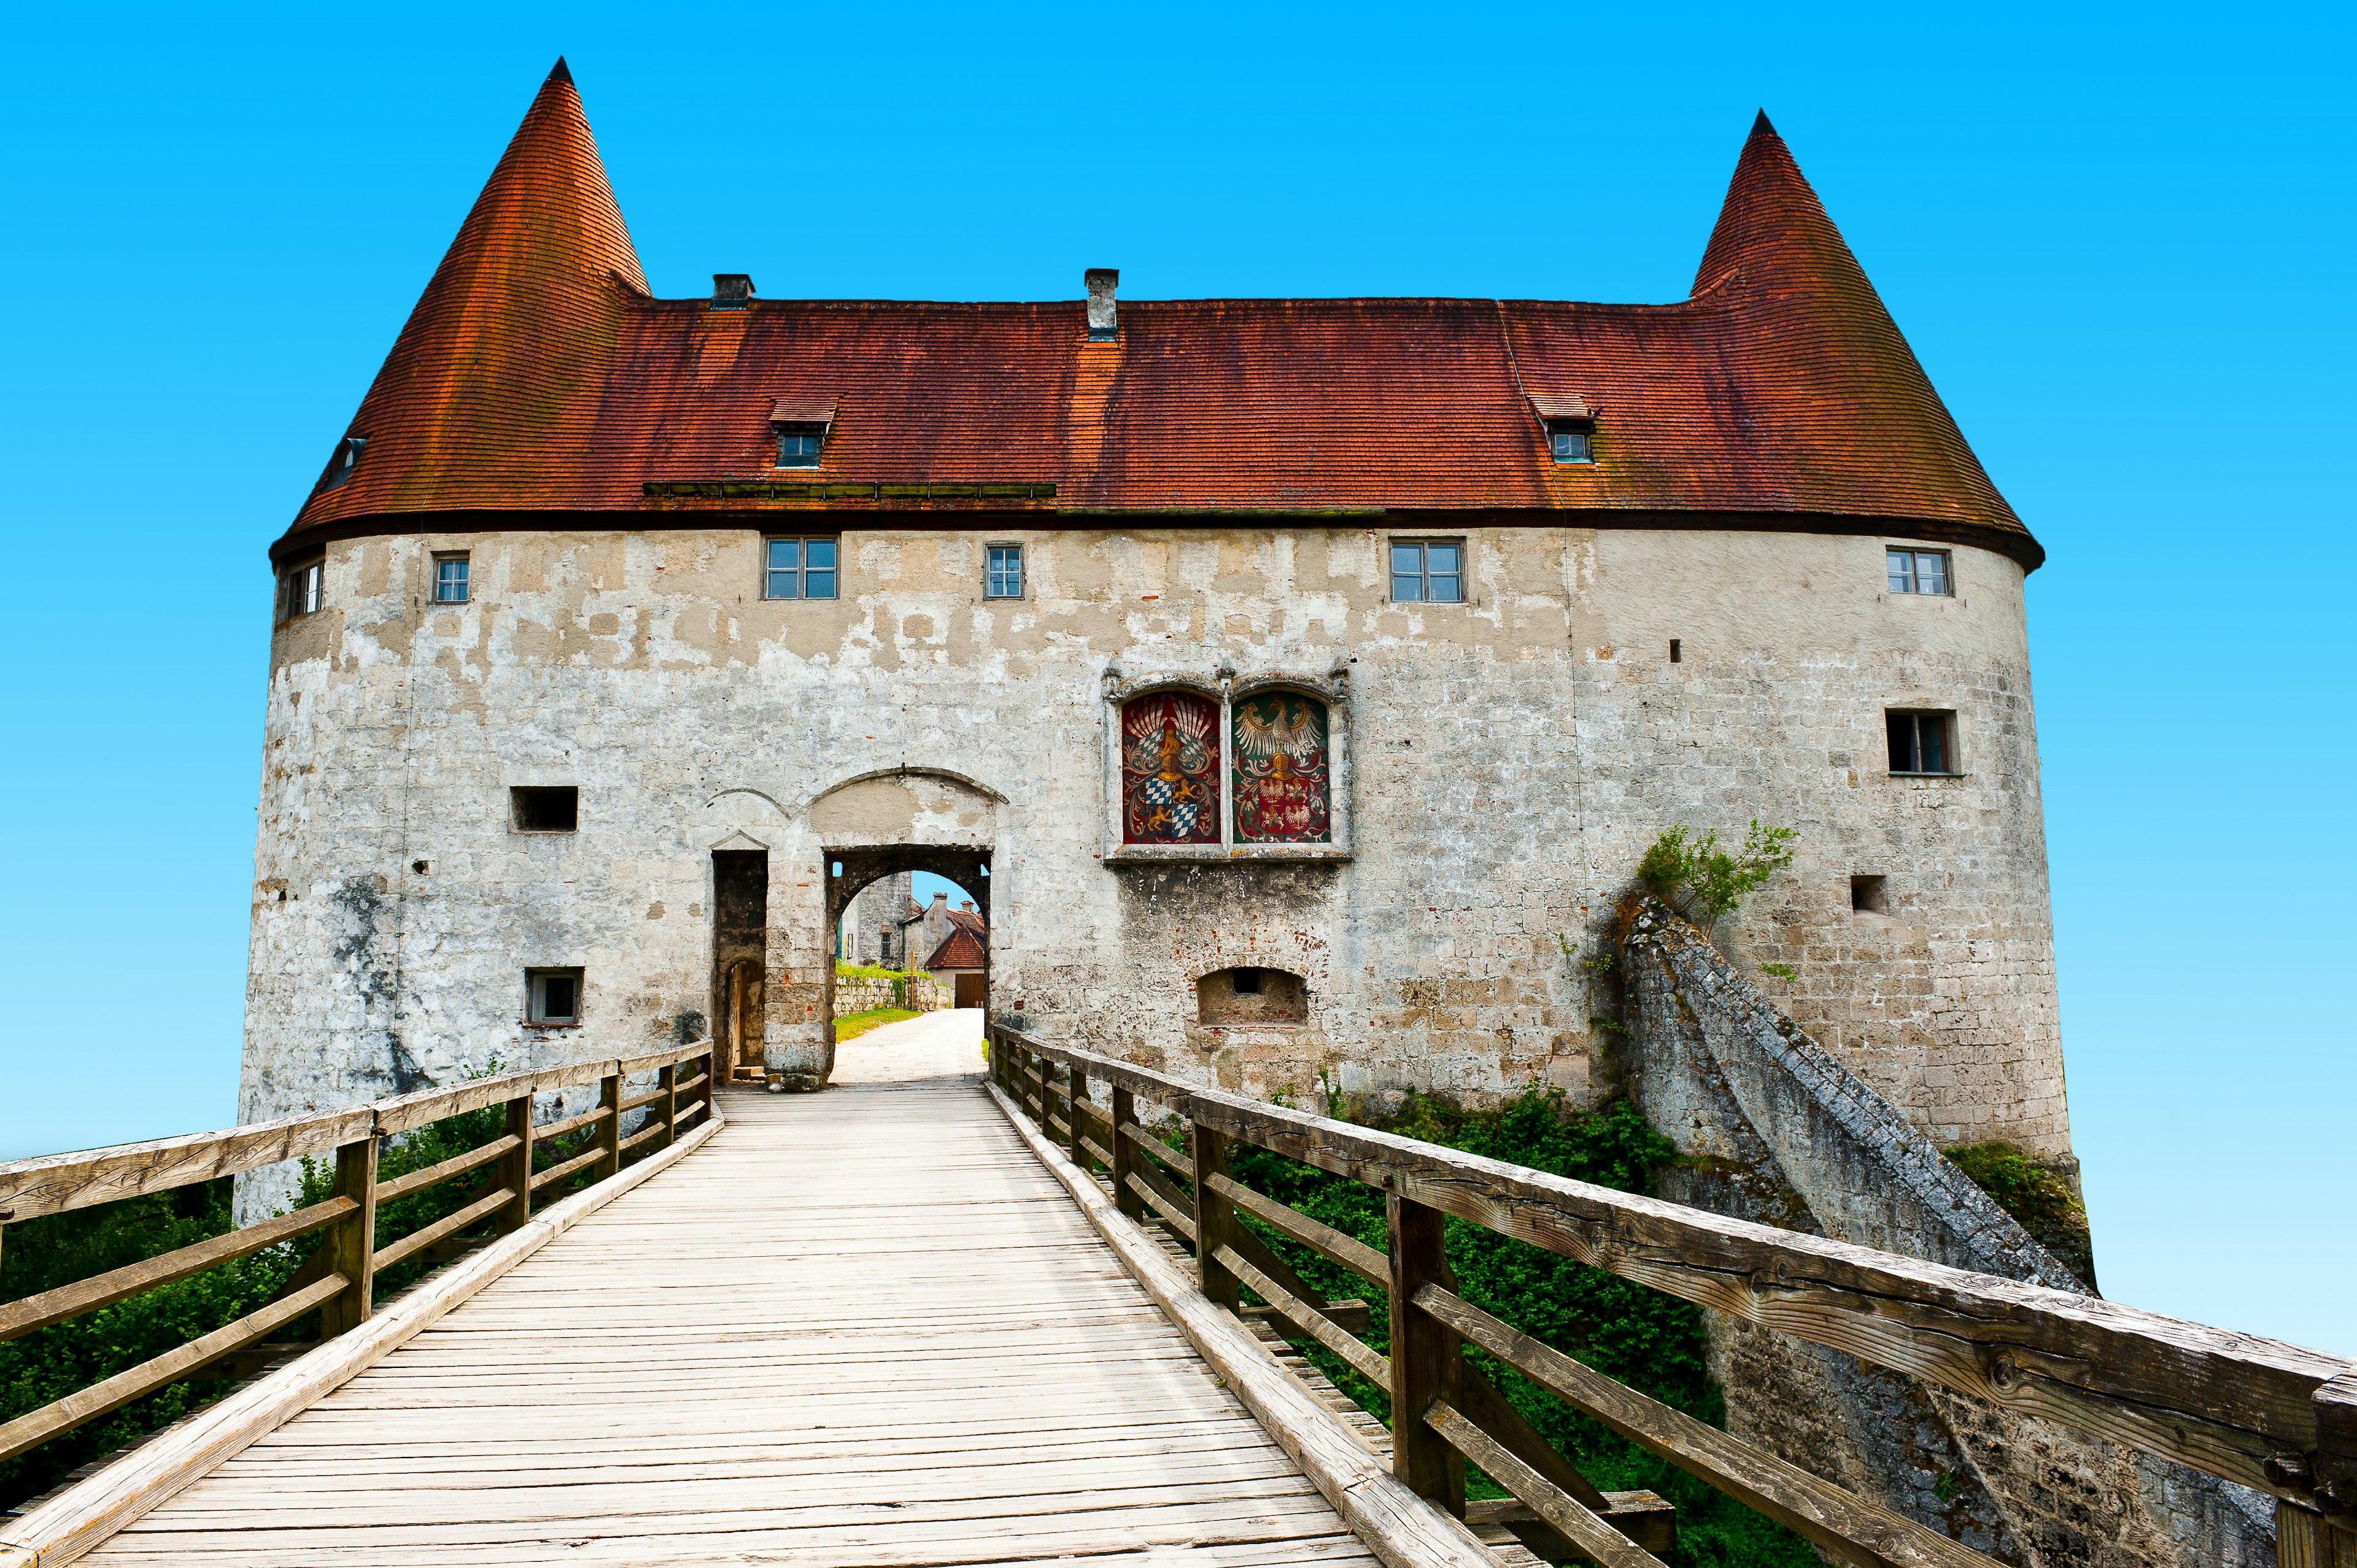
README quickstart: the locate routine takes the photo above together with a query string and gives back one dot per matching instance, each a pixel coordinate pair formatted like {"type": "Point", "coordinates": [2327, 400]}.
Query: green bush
{"type": "Point", "coordinates": [1702, 881]}
{"type": "Point", "coordinates": [2039, 1199]}
{"type": "Point", "coordinates": [1651, 1342]}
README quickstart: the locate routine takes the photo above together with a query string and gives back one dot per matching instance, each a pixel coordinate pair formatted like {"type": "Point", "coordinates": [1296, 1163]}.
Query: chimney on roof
{"type": "Point", "coordinates": [1104, 327]}
{"type": "Point", "coordinates": [967, 905]}
{"type": "Point", "coordinates": [732, 291]}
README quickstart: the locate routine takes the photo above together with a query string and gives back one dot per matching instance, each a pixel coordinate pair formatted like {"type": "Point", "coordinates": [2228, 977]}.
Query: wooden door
{"type": "Point", "coordinates": [745, 1031]}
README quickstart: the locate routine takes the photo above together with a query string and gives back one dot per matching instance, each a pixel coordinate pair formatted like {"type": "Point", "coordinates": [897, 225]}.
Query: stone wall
{"type": "Point", "coordinates": [1775, 1129]}
{"type": "Point", "coordinates": [1509, 759]}
{"type": "Point", "coordinates": [919, 993]}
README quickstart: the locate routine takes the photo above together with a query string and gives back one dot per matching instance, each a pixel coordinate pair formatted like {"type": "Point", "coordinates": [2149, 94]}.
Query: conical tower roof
{"type": "Point", "coordinates": [494, 383]}
{"type": "Point", "coordinates": [1853, 396]}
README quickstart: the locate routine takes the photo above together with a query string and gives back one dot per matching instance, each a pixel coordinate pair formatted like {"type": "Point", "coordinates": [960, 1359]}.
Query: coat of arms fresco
{"type": "Point", "coordinates": [1170, 769]}
{"type": "Point", "coordinates": [1281, 775]}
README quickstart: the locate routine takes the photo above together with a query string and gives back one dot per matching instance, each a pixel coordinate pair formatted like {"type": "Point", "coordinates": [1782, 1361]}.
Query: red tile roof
{"type": "Point", "coordinates": [963, 947]}
{"type": "Point", "coordinates": [538, 377]}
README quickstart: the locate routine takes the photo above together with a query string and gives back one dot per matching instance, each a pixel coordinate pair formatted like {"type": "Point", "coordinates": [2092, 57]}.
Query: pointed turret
{"type": "Point", "coordinates": [1813, 330]}
{"type": "Point", "coordinates": [495, 378]}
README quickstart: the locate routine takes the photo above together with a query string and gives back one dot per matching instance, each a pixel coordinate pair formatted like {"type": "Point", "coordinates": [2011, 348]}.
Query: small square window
{"type": "Point", "coordinates": [300, 589]}
{"type": "Point", "coordinates": [1922, 743]}
{"type": "Point", "coordinates": [545, 808]}
{"type": "Point", "coordinates": [799, 569]}
{"type": "Point", "coordinates": [451, 579]}
{"type": "Point", "coordinates": [552, 996]}
{"type": "Point", "coordinates": [1571, 441]}
{"type": "Point", "coordinates": [1866, 896]}
{"type": "Point", "coordinates": [1005, 580]}
{"type": "Point", "coordinates": [1918, 570]}
{"type": "Point", "coordinates": [1428, 571]}
{"type": "Point", "coordinates": [801, 446]}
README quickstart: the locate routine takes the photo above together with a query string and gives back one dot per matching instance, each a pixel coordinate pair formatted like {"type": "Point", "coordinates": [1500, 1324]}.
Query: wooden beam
{"type": "Point", "coordinates": [1426, 1360]}
{"type": "Point", "coordinates": [1216, 1229]}
{"type": "Point", "coordinates": [1578, 1522]}
{"type": "Point", "coordinates": [1161, 1151]}
{"type": "Point", "coordinates": [1344, 1251]}
{"type": "Point", "coordinates": [403, 1186]}
{"type": "Point", "coordinates": [449, 1224]}
{"type": "Point", "coordinates": [31, 1430]}
{"type": "Point", "coordinates": [1847, 1527]}
{"type": "Point", "coordinates": [560, 1171]}
{"type": "Point", "coordinates": [24, 1315]}
{"type": "Point", "coordinates": [1121, 1157]}
{"type": "Point", "coordinates": [52, 1183]}
{"type": "Point", "coordinates": [348, 1248]}
{"type": "Point", "coordinates": [1369, 1363]}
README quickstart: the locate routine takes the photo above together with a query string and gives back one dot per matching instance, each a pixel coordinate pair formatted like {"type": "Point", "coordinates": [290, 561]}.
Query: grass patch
{"type": "Point", "coordinates": [853, 1025]}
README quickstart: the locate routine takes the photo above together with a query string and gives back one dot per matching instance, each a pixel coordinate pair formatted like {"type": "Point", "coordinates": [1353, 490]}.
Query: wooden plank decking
{"type": "Point", "coordinates": [860, 1329]}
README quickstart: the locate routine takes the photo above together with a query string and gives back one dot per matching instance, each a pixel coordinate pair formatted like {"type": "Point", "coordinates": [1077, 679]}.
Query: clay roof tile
{"type": "Point", "coordinates": [537, 376]}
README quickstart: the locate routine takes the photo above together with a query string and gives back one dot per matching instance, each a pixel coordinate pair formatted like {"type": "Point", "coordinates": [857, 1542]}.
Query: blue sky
{"type": "Point", "coordinates": [2118, 238]}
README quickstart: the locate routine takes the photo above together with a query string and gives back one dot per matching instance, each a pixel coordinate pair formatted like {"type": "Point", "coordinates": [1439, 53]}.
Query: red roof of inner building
{"type": "Point", "coordinates": [538, 376]}
{"type": "Point", "coordinates": [964, 947]}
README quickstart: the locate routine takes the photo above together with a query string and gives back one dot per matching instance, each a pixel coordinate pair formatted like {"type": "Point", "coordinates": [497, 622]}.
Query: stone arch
{"type": "Point", "coordinates": [879, 823]}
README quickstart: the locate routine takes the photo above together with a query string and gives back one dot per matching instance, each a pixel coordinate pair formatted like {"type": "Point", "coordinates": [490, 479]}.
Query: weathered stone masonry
{"type": "Point", "coordinates": [1510, 757]}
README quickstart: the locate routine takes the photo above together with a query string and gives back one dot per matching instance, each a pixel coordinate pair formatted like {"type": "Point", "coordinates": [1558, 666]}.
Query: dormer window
{"type": "Point", "coordinates": [1570, 426]}
{"type": "Point", "coordinates": [801, 425]}
{"type": "Point", "coordinates": [346, 457]}
{"type": "Point", "coordinates": [798, 446]}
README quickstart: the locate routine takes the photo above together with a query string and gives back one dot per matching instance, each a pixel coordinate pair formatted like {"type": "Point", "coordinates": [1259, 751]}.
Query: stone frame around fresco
{"type": "Point", "coordinates": [1224, 687]}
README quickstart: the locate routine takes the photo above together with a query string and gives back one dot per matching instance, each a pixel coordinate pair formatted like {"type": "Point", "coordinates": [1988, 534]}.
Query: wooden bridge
{"type": "Point", "coordinates": [924, 1319]}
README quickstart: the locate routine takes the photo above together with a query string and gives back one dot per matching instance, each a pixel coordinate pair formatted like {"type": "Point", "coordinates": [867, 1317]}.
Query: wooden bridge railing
{"type": "Point", "coordinates": [338, 1279]}
{"type": "Point", "coordinates": [2265, 1414]}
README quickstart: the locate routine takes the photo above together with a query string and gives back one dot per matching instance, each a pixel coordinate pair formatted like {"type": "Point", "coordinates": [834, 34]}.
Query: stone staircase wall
{"type": "Point", "coordinates": [1774, 1129]}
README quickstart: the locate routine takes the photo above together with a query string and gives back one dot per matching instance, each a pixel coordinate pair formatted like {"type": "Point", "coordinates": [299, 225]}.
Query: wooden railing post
{"type": "Point", "coordinates": [1076, 1094]}
{"type": "Point", "coordinates": [515, 1165]}
{"type": "Point", "coordinates": [667, 1079]}
{"type": "Point", "coordinates": [1124, 1155]}
{"type": "Point", "coordinates": [1215, 1218]}
{"type": "Point", "coordinates": [609, 1130]}
{"type": "Point", "coordinates": [351, 1243]}
{"type": "Point", "coordinates": [1428, 1357]}
{"type": "Point", "coordinates": [711, 1081]}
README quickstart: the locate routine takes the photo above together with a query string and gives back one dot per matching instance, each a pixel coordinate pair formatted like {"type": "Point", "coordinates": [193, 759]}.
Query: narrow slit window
{"type": "Point", "coordinates": [451, 579]}
{"type": "Point", "coordinates": [1428, 571]}
{"type": "Point", "coordinates": [800, 569]}
{"type": "Point", "coordinates": [1921, 743]}
{"type": "Point", "coordinates": [1919, 571]}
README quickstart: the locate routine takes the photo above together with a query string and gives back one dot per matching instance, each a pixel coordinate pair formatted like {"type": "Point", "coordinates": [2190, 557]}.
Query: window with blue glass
{"type": "Point", "coordinates": [1918, 570]}
{"type": "Point", "coordinates": [1004, 579]}
{"type": "Point", "coordinates": [800, 569]}
{"type": "Point", "coordinates": [451, 579]}
{"type": "Point", "coordinates": [798, 446]}
{"type": "Point", "coordinates": [1428, 571]}
{"type": "Point", "coordinates": [1572, 441]}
